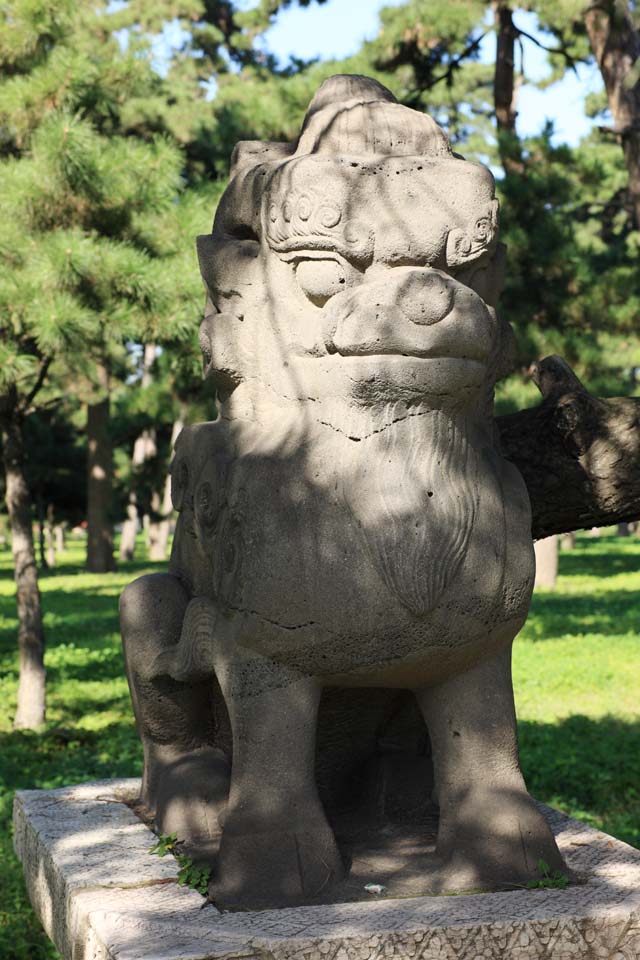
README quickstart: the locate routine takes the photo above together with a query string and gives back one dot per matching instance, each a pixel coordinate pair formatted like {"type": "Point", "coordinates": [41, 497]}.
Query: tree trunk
{"type": "Point", "coordinates": [568, 541]}
{"type": "Point", "coordinates": [41, 534]}
{"type": "Point", "coordinates": [623, 530]}
{"type": "Point", "coordinates": [160, 531]}
{"type": "Point", "coordinates": [100, 474]}
{"type": "Point", "coordinates": [143, 449]}
{"type": "Point", "coordinates": [579, 456]}
{"type": "Point", "coordinates": [615, 42]}
{"type": "Point", "coordinates": [129, 529]}
{"type": "Point", "coordinates": [505, 90]}
{"type": "Point", "coordinates": [145, 529]}
{"type": "Point", "coordinates": [59, 535]}
{"type": "Point", "coordinates": [49, 537]}
{"type": "Point", "coordinates": [30, 712]}
{"type": "Point", "coordinates": [547, 562]}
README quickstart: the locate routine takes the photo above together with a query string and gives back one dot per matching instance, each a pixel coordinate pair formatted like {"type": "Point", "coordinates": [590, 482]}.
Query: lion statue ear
{"type": "Point", "coordinates": [249, 153]}
{"type": "Point", "coordinates": [487, 279]}
{"type": "Point", "coordinates": [464, 246]}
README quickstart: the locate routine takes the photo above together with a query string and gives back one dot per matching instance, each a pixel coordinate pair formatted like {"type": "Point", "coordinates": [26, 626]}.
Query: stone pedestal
{"type": "Point", "coordinates": [101, 896]}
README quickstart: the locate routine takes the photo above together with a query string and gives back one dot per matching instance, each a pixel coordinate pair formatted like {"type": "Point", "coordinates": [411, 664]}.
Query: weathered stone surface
{"type": "Point", "coordinates": [347, 523]}
{"type": "Point", "coordinates": [101, 896]}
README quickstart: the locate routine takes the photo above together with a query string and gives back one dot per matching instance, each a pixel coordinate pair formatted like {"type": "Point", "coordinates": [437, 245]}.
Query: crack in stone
{"type": "Point", "coordinates": [135, 886]}
{"type": "Point", "coordinates": [365, 436]}
{"type": "Point", "coordinates": [275, 623]}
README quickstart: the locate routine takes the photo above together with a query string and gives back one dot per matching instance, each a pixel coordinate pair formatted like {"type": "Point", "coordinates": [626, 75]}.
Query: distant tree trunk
{"type": "Point", "coordinates": [568, 540]}
{"type": "Point", "coordinates": [615, 41]}
{"type": "Point", "coordinates": [143, 449]}
{"type": "Point", "coordinates": [623, 530]}
{"type": "Point", "coordinates": [505, 89]}
{"type": "Point", "coordinates": [100, 475]}
{"type": "Point", "coordinates": [41, 532]}
{"type": "Point", "coordinates": [49, 537]}
{"type": "Point", "coordinates": [59, 535]}
{"type": "Point", "coordinates": [146, 521]}
{"type": "Point", "coordinates": [160, 531]}
{"type": "Point", "coordinates": [30, 712]}
{"type": "Point", "coordinates": [547, 562]}
{"type": "Point", "coordinates": [129, 529]}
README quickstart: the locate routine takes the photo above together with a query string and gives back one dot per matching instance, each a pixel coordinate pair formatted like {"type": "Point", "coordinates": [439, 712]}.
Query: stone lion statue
{"type": "Point", "coordinates": [348, 531]}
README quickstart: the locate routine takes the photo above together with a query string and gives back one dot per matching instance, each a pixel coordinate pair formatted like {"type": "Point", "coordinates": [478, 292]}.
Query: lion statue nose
{"type": "Point", "coordinates": [391, 314]}
{"type": "Point", "coordinates": [425, 296]}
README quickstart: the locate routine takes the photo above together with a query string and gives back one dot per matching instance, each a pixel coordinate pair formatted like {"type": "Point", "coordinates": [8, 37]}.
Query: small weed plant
{"type": "Point", "coordinates": [549, 878]}
{"type": "Point", "coordinates": [189, 874]}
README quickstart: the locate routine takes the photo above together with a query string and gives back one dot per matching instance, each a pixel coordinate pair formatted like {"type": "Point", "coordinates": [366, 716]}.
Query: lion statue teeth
{"type": "Point", "coordinates": [347, 524]}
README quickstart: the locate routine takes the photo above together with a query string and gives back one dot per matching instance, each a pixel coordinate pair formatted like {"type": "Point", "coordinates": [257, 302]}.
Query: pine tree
{"type": "Point", "coordinates": [215, 44]}
{"type": "Point", "coordinates": [84, 178]}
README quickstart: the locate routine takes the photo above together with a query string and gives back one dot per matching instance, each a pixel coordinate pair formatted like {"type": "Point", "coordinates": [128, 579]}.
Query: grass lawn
{"type": "Point", "coordinates": [577, 679]}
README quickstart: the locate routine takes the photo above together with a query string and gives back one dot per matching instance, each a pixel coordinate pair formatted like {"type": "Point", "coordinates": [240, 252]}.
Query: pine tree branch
{"type": "Point", "coordinates": [451, 68]}
{"type": "Point", "coordinates": [30, 397]}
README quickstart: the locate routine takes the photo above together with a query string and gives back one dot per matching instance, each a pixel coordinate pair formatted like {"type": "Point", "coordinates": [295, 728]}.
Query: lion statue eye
{"type": "Point", "coordinates": [320, 280]}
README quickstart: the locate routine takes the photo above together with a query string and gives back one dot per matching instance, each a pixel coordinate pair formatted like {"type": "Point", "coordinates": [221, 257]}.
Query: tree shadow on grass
{"type": "Point", "coordinates": [66, 568]}
{"type": "Point", "coordinates": [65, 755]}
{"type": "Point", "coordinates": [86, 618]}
{"type": "Point", "coordinates": [590, 768]}
{"type": "Point", "coordinates": [559, 614]}
{"type": "Point", "coordinates": [126, 568]}
{"type": "Point", "coordinates": [586, 560]}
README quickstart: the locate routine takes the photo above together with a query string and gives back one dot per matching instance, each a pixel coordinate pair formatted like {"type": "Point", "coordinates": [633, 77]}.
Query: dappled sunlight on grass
{"type": "Point", "coordinates": [577, 686]}
{"type": "Point", "coordinates": [593, 664]}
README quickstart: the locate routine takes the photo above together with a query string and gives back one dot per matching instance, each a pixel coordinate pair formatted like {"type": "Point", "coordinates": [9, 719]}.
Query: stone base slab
{"type": "Point", "coordinates": [101, 896]}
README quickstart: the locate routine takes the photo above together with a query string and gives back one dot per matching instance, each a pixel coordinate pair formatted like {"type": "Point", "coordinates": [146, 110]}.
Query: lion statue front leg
{"type": "Point", "coordinates": [490, 832]}
{"type": "Point", "coordinates": [276, 846]}
{"type": "Point", "coordinates": [186, 779]}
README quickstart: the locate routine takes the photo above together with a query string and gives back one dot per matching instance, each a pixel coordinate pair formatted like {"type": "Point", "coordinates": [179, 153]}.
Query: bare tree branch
{"type": "Point", "coordinates": [451, 67]}
{"type": "Point", "coordinates": [44, 368]}
{"type": "Point", "coordinates": [562, 51]}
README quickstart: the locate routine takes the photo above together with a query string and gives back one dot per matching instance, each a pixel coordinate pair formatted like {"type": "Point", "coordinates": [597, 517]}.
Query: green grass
{"type": "Point", "coordinates": [576, 670]}
{"type": "Point", "coordinates": [89, 732]}
{"type": "Point", "coordinates": [577, 684]}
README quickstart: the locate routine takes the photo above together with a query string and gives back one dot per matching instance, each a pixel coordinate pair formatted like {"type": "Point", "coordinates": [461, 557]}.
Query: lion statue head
{"type": "Point", "coordinates": [355, 268]}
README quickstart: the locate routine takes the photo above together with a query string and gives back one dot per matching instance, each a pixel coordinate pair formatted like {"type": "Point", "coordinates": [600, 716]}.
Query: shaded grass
{"type": "Point", "coordinates": [576, 670]}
